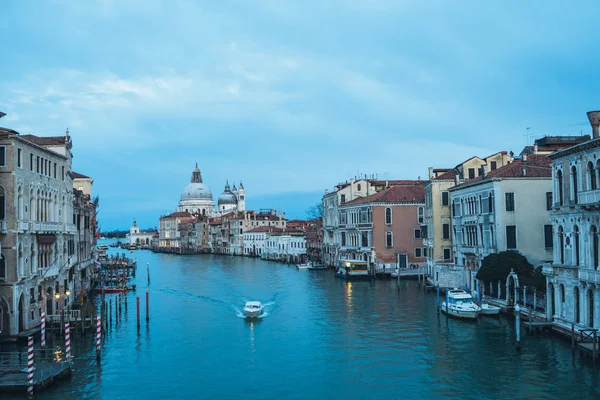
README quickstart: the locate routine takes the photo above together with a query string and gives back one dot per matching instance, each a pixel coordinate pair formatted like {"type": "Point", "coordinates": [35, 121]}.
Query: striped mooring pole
{"type": "Point", "coordinates": [30, 366]}
{"type": "Point", "coordinates": [43, 330]}
{"type": "Point", "coordinates": [68, 341]}
{"type": "Point", "coordinates": [98, 336]}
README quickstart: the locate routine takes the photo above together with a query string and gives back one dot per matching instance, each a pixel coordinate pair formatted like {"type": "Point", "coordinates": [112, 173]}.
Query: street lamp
{"type": "Point", "coordinates": [68, 292]}
{"type": "Point", "coordinates": [57, 295]}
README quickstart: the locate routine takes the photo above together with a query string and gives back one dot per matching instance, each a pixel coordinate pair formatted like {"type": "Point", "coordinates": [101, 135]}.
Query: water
{"type": "Point", "coordinates": [320, 337]}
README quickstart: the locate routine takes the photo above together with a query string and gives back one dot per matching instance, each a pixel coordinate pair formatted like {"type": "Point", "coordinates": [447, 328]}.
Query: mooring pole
{"type": "Point", "coordinates": [518, 326]}
{"type": "Point", "coordinates": [137, 301]}
{"type": "Point", "coordinates": [438, 297]}
{"type": "Point", "coordinates": [148, 270]}
{"type": "Point", "coordinates": [98, 336]}
{"type": "Point", "coordinates": [147, 307]}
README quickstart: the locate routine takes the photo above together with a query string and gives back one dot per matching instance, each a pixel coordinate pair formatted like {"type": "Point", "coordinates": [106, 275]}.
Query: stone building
{"type": "Point", "coordinates": [137, 237]}
{"type": "Point", "coordinates": [314, 240]}
{"type": "Point", "coordinates": [38, 229]}
{"type": "Point", "coordinates": [285, 246]}
{"type": "Point", "coordinates": [255, 239]}
{"type": "Point", "coordinates": [573, 278]}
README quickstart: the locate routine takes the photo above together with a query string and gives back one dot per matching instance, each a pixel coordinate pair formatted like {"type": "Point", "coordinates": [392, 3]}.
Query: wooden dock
{"type": "Point", "coordinates": [538, 326]}
{"type": "Point", "coordinates": [13, 370]}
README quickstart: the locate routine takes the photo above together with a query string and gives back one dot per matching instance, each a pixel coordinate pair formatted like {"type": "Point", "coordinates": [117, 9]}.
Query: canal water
{"type": "Point", "coordinates": [321, 338]}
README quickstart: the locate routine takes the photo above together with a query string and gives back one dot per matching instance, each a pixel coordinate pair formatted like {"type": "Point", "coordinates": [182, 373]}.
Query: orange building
{"type": "Point", "coordinates": [384, 228]}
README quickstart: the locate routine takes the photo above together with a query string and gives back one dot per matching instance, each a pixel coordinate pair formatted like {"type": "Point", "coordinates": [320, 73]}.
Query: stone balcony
{"type": "Point", "coordinates": [589, 197]}
{"type": "Point", "coordinates": [23, 226]}
{"type": "Point", "coordinates": [589, 275]}
{"type": "Point", "coordinates": [49, 272]}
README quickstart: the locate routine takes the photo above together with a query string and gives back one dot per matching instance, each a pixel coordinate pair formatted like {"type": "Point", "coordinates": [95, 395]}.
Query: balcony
{"type": "Point", "coordinates": [49, 272]}
{"type": "Point", "coordinates": [51, 227]}
{"type": "Point", "coordinates": [23, 226]}
{"type": "Point", "coordinates": [3, 226]}
{"type": "Point", "coordinates": [589, 275]}
{"type": "Point", "coordinates": [589, 197]}
{"type": "Point", "coordinates": [71, 228]}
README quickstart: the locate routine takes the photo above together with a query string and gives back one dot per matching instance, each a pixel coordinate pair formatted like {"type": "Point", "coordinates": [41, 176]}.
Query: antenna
{"type": "Point", "coordinates": [528, 135]}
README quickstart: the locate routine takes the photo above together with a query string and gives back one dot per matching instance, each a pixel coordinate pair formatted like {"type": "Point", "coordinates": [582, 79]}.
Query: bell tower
{"type": "Point", "coordinates": [241, 195]}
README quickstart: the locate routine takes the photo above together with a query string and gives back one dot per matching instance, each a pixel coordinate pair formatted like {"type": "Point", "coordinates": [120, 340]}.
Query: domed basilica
{"type": "Point", "coordinates": [197, 198]}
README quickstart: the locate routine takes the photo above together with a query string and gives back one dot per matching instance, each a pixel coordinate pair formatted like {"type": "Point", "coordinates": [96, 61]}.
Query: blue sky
{"type": "Point", "coordinates": [291, 97]}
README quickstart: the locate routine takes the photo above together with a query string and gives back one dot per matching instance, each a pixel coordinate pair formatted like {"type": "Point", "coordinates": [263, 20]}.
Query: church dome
{"type": "Point", "coordinates": [227, 197]}
{"type": "Point", "coordinates": [196, 191]}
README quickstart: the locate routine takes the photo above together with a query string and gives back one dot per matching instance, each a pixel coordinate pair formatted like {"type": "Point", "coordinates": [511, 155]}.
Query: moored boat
{"type": "Point", "coordinates": [317, 267]}
{"type": "Point", "coordinates": [253, 309]}
{"type": "Point", "coordinates": [353, 270]}
{"type": "Point", "coordinates": [305, 265]}
{"type": "Point", "coordinates": [488, 309]}
{"type": "Point", "coordinates": [460, 304]}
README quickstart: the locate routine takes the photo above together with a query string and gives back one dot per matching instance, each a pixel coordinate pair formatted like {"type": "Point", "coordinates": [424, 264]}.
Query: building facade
{"type": "Point", "coordinates": [285, 246]}
{"type": "Point", "coordinates": [573, 278]}
{"type": "Point", "coordinates": [136, 237]}
{"type": "Point", "coordinates": [255, 239]}
{"type": "Point", "coordinates": [314, 241]}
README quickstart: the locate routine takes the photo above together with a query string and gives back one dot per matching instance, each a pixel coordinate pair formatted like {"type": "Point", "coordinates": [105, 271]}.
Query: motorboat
{"type": "Point", "coordinates": [488, 309]}
{"type": "Point", "coordinates": [353, 270]}
{"type": "Point", "coordinates": [460, 304]}
{"type": "Point", "coordinates": [317, 267]}
{"type": "Point", "coordinates": [305, 265]}
{"type": "Point", "coordinates": [253, 309]}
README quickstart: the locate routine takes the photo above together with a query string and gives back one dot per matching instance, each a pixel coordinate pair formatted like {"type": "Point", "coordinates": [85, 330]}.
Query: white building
{"type": "Point", "coordinates": [254, 240]}
{"type": "Point", "coordinates": [137, 237]}
{"type": "Point", "coordinates": [232, 199]}
{"type": "Point", "coordinates": [196, 197]}
{"type": "Point", "coordinates": [285, 246]}
{"type": "Point", "coordinates": [505, 209]}
{"type": "Point", "coordinates": [573, 278]}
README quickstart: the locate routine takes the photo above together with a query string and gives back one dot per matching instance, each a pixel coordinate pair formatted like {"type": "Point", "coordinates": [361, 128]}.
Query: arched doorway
{"type": "Point", "coordinates": [512, 288]}
{"type": "Point", "coordinates": [4, 318]}
{"type": "Point", "coordinates": [576, 316]}
{"type": "Point", "coordinates": [590, 298]}
{"type": "Point", "coordinates": [21, 314]}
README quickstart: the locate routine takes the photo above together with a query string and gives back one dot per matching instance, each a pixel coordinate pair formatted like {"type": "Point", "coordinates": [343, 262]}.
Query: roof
{"type": "Point", "coordinates": [77, 175]}
{"type": "Point", "coordinates": [178, 214]}
{"type": "Point", "coordinates": [398, 182]}
{"type": "Point", "coordinates": [215, 221]}
{"type": "Point", "coordinates": [265, 229]}
{"type": "Point", "coordinates": [447, 176]}
{"type": "Point", "coordinates": [394, 194]}
{"type": "Point", "coordinates": [536, 166]}
{"type": "Point", "coordinates": [45, 141]}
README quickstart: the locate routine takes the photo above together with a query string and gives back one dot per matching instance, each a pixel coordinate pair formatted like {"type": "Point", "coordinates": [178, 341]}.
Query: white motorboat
{"type": "Point", "coordinates": [461, 305]}
{"type": "Point", "coordinates": [305, 265]}
{"type": "Point", "coordinates": [488, 309]}
{"type": "Point", "coordinates": [253, 309]}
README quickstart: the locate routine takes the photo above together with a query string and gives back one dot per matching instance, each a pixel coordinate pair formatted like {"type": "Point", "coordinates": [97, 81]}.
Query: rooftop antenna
{"type": "Point", "coordinates": [528, 135]}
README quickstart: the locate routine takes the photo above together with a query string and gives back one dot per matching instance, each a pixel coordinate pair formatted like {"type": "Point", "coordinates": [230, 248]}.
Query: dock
{"type": "Point", "coordinates": [48, 369]}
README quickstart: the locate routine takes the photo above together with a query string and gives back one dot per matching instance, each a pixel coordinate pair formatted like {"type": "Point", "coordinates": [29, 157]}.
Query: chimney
{"type": "Point", "coordinates": [594, 117]}
{"type": "Point", "coordinates": [525, 157]}
{"type": "Point", "coordinates": [484, 171]}
{"type": "Point", "coordinates": [535, 148]}
{"type": "Point", "coordinates": [387, 183]}
{"type": "Point", "coordinates": [430, 172]}
{"type": "Point", "coordinates": [456, 179]}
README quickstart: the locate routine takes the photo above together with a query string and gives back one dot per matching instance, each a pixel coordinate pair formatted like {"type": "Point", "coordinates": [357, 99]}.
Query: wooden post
{"type": "Point", "coordinates": [98, 336]}
{"type": "Point", "coordinates": [447, 299]}
{"type": "Point", "coordinates": [148, 270]}
{"type": "Point", "coordinates": [438, 297]}
{"type": "Point", "coordinates": [30, 366]}
{"type": "Point", "coordinates": [572, 336]}
{"type": "Point", "coordinates": [524, 296]}
{"type": "Point", "coordinates": [147, 307]}
{"type": "Point", "coordinates": [594, 347]}
{"type": "Point", "coordinates": [137, 300]}
{"type": "Point", "coordinates": [499, 291]}
{"type": "Point", "coordinates": [491, 289]}
{"type": "Point", "coordinates": [518, 326]}
{"type": "Point", "coordinates": [535, 299]}
{"type": "Point", "coordinates": [110, 310]}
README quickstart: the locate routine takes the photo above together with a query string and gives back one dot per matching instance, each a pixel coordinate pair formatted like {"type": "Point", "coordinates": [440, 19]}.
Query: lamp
{"type": "Point", "coordinates": [57, 295]}
{"type": "Point", "coordinates": [68, 292]}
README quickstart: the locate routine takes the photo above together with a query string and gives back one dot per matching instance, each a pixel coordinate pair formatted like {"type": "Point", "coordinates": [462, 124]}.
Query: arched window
{"type": "Point", "coordinates": [574, 183]}
{"type": "Point", "coordinates": [576, 312]}
{"type": "Point", "coordinates": [388, 216]}
{"type": "Point", "coordinates": [591, 175]}
{"type": "Point", "coordinates": [559, 182]}
{"type": "Point", "coordinates": [561, 244]}
{"type": "Point", "coordinates": [389, 239]}
{"type": "Point", "coordinates": [2, 203]}
{"type": "Point", "coordinates": [358, 187]}
{"type": "Point", "coordinates": [576, 239]}
{"type": "Point", "coordinates": [421, 215]}
{"type": "Point", "coordinates": [594, 234]}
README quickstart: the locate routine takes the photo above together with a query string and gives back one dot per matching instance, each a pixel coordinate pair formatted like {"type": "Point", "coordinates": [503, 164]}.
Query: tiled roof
{"type": "Point", "coordinates": [398, 182]}
{"type": "Point", "coordinates": [265, 229]}
{"type": "Point", "coordinates": [178, 214]}
{"type": "Point", "coordinates": [536, 166]}
{"type": "Point", "coordinates": [394, 194]}
{"type": "Point", "coordinates": [45, 141]}
{"type": "Point", "coordinates": [80, 176]}
{"type": "Point", "coordinates": [447, 176]}
{"type": "Point", "coordinates": [215, 221]}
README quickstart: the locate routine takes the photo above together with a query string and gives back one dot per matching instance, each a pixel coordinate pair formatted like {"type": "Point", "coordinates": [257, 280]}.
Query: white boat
{"type": "Point", "coordinates": [488, 309]}
{"type": "Point", "coordinates": [304, 265]}
{"type": "Point", "coordinates": [253, 309]}
{"type": "Point", "coordinates": [394, 273]}
{"type": "Point", "coordinates": [461, 305]}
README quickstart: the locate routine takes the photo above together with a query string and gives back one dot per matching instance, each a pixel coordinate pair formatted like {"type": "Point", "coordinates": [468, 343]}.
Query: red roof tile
{"type": "Point", "coordinates": [265, 229]}
{"type": "Point", "coordinates": [80, 176]}
{"type": "Point", "coordinates": [394, 194]}
{"type": "Point", "coordinates": [45, 141]}
{"type": "Point", "coordinates": [178, 214]}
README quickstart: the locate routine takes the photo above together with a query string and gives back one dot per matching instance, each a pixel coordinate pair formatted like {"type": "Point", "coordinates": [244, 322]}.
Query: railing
{"type": "Point", "coordinates": [51, 226]}
{"type": "Point", "coordinates": [589, 275]}
{"type": "Point", "coordinates": [588, 197]}
{"type": "Point", "coordinates": [17, 361]}
{"type": "Point", "coordinates": [71, 228]}
{"type": "Point", "coordinates": [23, 225]}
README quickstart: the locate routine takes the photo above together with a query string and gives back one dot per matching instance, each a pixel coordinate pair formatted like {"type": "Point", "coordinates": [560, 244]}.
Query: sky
{"type": "Point", "coordinates": [289, 97]}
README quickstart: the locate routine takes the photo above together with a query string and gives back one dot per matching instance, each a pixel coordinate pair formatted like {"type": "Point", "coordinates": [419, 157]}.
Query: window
{"type": "Point", "coordinates": [54, 170]}
{"type": "Point", "coordinates": [446, 231]}
{"type": "Point", "coordinates": [19, 158]}
{"type": "Point", "coordinates": [421, 214]}
{"type": "Point", "coordinates": [31, 296]}
{"type": "Point", "coordinates": [388, 216]}
{"type": "Point", "coordinates": [63, 174]}
{"type": "Point", "coordinates": [417, 234]}
{"type": "Point", "coordinates": [574, 187]}
{"type": "Point", "coordinates": [471, 173]}
{"type": "Point", "coordinates": [2, 156]}
{"type": "Point", "coordinates": [37, 164]}
{"type": "Point", "coordinates": [424, 251]}
{"type": "Point", "coordinates": [491, 202]}
{"type": "Point", "coordinates": [418, 252]}
{"type": "Point", "coordinates": [548, 201]}
{"type": "Point", "coordinates": [559, 179]}
{"type": "Point", "coordinates": [548, 243]}
{"type": "Point", "coordinates": [389, 239]}
{"type": "Point", "coordinates": [343, 238]}
{"type": "Point", "coordinates": [343, 198]}
{"type": "Point", "coordinates": [364, 239]}
{"type": "Point", "coordinates": [510, 201]}
{"type": "Point", "coordinates": [358, 187]}
{"type": "Point", "coordinates": [445, 198]}
{"type": "Point", "coordinates": [2, 267]}
{"type": "Point", "coordinates": [511, 237]}
{"type": "Point", "coordinates": [447, 255]}
{"type": "Point", "coordinates": [31, 162]}
{"type": "Point", "coordinates": [493, 165]}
